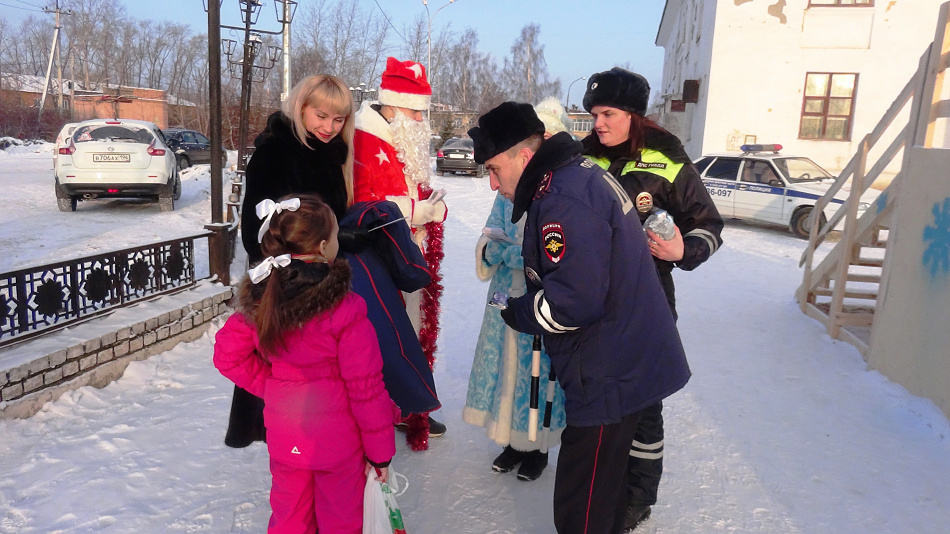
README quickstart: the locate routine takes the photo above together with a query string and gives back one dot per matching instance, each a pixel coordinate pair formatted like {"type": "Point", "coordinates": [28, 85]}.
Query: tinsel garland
{"type": "Point", "coordinates": [417, 434]}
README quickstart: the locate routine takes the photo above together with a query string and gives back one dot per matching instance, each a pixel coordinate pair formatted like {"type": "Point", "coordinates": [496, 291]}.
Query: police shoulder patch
{"type": "Point", "coordinates": [552, 239]}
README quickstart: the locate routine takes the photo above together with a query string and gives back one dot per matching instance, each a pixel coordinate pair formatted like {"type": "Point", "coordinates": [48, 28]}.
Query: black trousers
{"type": "Point", "coordinates": [645, 464]}
{"type": "Point", "coordinates": [590, 477]}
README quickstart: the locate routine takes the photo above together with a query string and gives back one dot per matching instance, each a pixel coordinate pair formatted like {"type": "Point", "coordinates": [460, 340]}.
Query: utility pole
{"type": "Point", "coordinates": [54, 51]}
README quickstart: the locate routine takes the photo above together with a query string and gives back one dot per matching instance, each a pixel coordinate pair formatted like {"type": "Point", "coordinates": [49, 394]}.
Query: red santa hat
{"type": "Point", "coordinates": [404, 85]}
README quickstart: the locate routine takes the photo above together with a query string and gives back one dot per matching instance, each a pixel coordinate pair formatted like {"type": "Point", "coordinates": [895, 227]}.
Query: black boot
{"type": "Point", "coordinates": [533, 465]}
{"type": "Point", "coordinates": [636, 514]}
{"type": "Point", "coordinates": [508, 459]}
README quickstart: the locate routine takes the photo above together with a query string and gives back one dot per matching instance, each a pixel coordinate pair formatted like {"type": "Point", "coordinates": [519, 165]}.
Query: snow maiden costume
{"type": "Point", "coordinates": [499, 384]}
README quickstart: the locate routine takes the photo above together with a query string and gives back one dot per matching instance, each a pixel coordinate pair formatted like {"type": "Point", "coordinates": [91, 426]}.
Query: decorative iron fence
{"type": "Point", "coordinates": [52, 296]}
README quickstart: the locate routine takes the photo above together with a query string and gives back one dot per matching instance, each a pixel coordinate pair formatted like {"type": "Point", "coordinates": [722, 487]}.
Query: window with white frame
{"type": "Point", "coordinates": [828, 105]}
{"type": "Point", "coordinates": [583, 125]}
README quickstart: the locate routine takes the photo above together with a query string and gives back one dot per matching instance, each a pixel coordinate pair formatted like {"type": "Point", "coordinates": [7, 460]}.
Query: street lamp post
{"type": "Point", "coordinates": [429, 36]}
{"type": "Point", "coordinates": [567, 104]}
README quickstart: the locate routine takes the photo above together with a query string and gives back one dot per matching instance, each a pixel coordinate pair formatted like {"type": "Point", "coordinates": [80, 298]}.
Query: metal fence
{"type": "Point", "coordinates": [38, 299]}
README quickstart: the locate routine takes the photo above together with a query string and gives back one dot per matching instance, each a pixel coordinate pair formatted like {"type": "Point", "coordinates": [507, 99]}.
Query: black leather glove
{"type": "Point", "coordinates": [354, 239]}
{"type": "Point", "coordinates": [508, 315]}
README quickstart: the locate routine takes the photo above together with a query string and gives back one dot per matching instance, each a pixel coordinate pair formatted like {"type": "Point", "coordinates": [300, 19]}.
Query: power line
{"type": "Point", "coordinates": [390, 22]}
{"type": "Point", "coordinates": [28, 4]}
{"type": "Point", "coordinates": [23, 8]}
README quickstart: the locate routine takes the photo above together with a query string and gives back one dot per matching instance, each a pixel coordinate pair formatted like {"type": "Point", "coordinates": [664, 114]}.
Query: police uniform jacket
{"type": "Point", "coordinates": [593, 291]}
{"type": "Point", "coordinates": [662, 176]}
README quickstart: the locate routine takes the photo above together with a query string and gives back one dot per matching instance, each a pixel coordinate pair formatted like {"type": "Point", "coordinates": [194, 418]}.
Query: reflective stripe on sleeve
{"type": "Point", "coordinates": [542, 313]}
{"type": "Point", "coordinates": [707, 236]}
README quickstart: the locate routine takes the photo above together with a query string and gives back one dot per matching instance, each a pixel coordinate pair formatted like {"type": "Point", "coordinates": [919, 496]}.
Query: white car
{"type": "Point", "coordinates": [763, 185]}
{"type": "Point", "coordinates": [108, 158]}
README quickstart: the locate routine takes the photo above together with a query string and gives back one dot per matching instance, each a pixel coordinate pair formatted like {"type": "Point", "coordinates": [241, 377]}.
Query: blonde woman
{"type": "Point", "coordinates": [307, 147]}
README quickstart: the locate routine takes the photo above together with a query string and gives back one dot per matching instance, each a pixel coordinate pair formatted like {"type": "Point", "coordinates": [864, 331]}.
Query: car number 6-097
{"type": "Point", "coordinates": [713, 192]}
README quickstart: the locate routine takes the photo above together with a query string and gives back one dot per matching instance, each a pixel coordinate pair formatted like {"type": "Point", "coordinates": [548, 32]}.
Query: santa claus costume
{"type": "Point", "coordinates": [392, 163]}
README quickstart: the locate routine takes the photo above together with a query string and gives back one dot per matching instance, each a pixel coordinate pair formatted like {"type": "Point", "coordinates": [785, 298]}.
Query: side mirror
{"type": "Point", "coordinates": [775, 182]}
{"type": "Point", "coordinates": [173, 143]}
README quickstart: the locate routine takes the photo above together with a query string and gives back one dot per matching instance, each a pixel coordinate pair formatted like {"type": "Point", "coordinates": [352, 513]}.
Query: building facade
{"type": "Point", "coordinates": [812, 75]}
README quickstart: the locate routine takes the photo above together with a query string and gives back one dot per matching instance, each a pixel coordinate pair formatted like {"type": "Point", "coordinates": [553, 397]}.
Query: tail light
{"type": "Point", "coordinates": [439, 154]}
{"type": "Point", "coordinates": [152, 151]}
{"type": "Point", "coordinates": [67, 150]}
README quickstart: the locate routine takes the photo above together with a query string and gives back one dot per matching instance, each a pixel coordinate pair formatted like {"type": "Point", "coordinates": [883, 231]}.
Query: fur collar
{"type": "Point", "coordinates": [370, 121]}
{"type": "Point", "coordinates": [309, 289]}
{"type": "Point", "coordinates": [554, 152]}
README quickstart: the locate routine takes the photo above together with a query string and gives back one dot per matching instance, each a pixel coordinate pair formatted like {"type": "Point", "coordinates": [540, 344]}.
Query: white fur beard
{"type": "Point", "coordinates": [411, 140]}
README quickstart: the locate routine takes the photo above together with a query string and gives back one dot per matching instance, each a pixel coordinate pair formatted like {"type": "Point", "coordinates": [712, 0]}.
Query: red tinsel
{"type": "Point", "coordinates": [432, 293]}
{"type": "Point", "coordinates": [417, 433]}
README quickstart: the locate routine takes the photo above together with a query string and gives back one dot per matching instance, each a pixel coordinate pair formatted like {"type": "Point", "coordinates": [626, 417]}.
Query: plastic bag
{"type": "Point", "coordinates": [661, 223]}
{"type": "Point", "coordinates": [381, 514]}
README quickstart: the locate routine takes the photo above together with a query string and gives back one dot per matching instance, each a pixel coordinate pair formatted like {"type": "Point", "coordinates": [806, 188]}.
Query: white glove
{"type": "Point", "coordinates": [421, 212]}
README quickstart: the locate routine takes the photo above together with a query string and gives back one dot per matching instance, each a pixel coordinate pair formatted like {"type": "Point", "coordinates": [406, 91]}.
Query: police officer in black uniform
{"type": "Point", "coordinates": [594, 295]}
{"type": "Point", "coordinates": [654, 169]}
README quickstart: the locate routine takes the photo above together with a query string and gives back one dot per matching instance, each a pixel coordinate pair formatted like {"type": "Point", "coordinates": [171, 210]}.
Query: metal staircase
{"type": "Point", "coordinates": [843, 290]}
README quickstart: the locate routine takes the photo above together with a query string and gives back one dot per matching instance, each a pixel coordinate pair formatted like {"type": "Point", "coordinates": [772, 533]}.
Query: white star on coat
{"type": "Point", "coordinates": [416, 69]}
{"type": "Point", "coordinates": [382, 156]}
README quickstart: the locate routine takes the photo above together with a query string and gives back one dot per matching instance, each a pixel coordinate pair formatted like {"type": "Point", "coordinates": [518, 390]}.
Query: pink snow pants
{"type": "Point", "coordinates": [301, 499]}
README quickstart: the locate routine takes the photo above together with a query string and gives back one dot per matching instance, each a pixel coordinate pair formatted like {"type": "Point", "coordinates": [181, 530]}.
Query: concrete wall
{"type": "Point", "coordinates": [687, 36]}
{"type": "Point", "coordinates": [760, 51]}
{"type": "Point", "coordinates": [41, 370]}
{"type": "Point", "coordinates": [910, 341]}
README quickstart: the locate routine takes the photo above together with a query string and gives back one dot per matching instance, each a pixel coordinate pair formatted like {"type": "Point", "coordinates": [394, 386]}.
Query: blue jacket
{"type": "Point", "coordinates": [394, 264]}
{"type": "Point", "coordinates": [593, 291]}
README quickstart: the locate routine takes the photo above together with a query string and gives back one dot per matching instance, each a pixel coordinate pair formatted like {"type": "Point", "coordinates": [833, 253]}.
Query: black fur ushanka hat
{"type": "Point", "coordinates": [618, 88]}
{"type": "Point", "coordinates": [502, 128]}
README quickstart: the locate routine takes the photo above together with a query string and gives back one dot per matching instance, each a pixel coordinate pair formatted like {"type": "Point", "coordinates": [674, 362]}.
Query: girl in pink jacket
{"type": "Point", "coordinates": [300, 339]}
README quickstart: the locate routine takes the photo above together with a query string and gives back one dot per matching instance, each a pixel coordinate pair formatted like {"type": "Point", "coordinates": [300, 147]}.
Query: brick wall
{"type": "Point", "coordinates": [103, 358]}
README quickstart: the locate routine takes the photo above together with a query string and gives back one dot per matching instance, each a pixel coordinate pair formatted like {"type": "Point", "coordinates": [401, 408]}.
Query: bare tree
{"type": "Point", "coordinates": [526, 72]}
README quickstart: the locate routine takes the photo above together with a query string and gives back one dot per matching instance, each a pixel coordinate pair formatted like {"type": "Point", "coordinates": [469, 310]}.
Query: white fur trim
{"type": "Point", "coordinates": [483, 271]}
{"type": "Point", "coordinates": [370, 121]}
{"type": "Point", "coordinates": [403, 100]}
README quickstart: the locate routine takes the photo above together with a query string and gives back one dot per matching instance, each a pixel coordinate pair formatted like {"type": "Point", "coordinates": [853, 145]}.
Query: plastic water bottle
{"type": "Point", "coordinates": [661, 223]}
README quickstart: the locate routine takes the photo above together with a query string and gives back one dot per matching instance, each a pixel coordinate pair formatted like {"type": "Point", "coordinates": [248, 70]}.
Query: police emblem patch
{"type": "Point", "coordinates": [644, 202]}
{"type": "Point", "coordinates": [552, 239]}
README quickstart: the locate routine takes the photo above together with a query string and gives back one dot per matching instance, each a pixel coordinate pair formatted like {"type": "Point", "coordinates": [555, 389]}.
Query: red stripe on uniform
{"type": "Point", "coordinates": [590, 495]}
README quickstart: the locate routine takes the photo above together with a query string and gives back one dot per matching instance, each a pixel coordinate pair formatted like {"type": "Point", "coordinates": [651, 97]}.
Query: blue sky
{"type": "Point", "coordinates": [580, 37]}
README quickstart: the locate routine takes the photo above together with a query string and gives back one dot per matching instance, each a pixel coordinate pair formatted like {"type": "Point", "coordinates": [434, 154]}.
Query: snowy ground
{"type": "Point", "coordinates": [780, 430]}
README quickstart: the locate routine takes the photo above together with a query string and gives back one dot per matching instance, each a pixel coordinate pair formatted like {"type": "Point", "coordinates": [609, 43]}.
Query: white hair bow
{"type": "Point", "coordinates": [264, 268]}
{"type": "Point", "coordinates": [267, 208]}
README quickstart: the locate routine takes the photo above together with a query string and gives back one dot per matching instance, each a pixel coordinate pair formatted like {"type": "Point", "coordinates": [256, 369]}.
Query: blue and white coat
{"type": "Point", "coordinates": [499, 386]}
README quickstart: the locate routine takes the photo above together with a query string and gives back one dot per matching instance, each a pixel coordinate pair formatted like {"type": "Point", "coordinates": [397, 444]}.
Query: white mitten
{"type": "Point", "coordinates": [421, 212]}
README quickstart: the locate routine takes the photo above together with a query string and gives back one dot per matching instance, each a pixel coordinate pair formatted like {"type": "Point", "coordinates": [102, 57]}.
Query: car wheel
{"type": "Point", "coordinates": [183, 162]}
{"type": "Point", "coordinates": [800, 225]}
{"type": "Point", "coordinates": [63, 201]}
{"type": "Point", "coordinates": [67, 204]}
{"type": "Point", "coordinates": [176, 189]}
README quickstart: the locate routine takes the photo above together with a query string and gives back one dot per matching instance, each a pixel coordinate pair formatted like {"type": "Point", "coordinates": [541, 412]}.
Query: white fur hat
{"type": "Point", "coordinates": [552, 114]}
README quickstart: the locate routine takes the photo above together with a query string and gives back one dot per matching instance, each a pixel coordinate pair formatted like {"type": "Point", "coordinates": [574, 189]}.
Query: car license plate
{"type": "Point", "coordinates": [456, 156]}
{"type": "Point", "coordinates": [111, 158]}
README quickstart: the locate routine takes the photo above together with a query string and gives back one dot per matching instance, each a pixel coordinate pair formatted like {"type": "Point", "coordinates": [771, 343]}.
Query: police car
{"type": "Point", "coordinates": [761, 184]}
